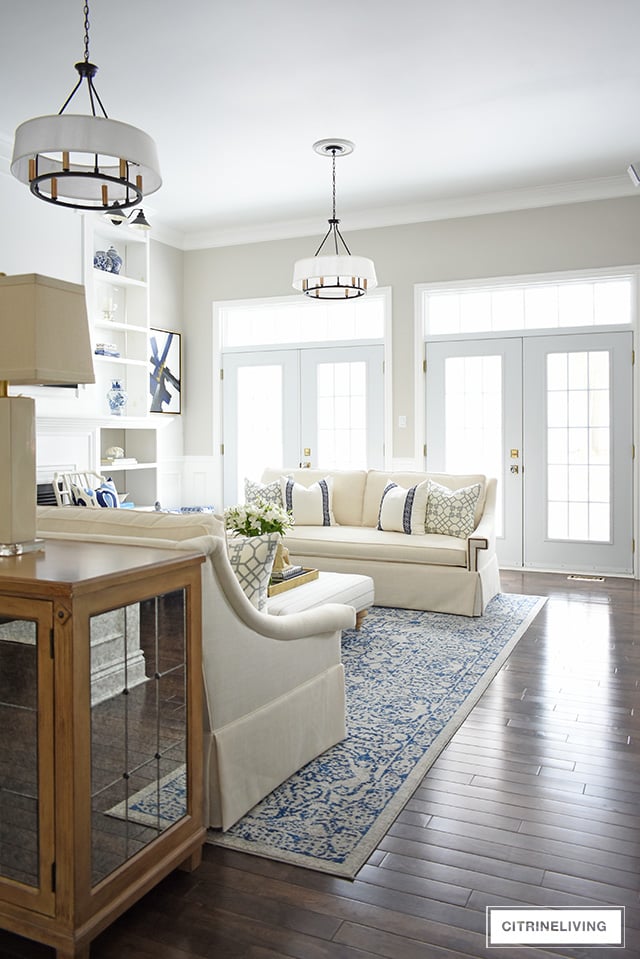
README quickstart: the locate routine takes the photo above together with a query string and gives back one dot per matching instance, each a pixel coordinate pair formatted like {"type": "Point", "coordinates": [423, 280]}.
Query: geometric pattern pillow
{"type": "Point", "coordinates": [256, 493]}
{"type": "Point", "coordinates": [312, 505]}
{"type": "Point", "coordinates": [251, 559]}
{"type": "Point", "coordinates": [451, 512]}
{"type": "Point", "coordinates": [403, 510]}
{"type": "Point", "coordinates": [104, 495]}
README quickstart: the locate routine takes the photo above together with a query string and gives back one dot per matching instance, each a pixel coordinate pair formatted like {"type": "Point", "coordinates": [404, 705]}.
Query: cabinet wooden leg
{"type": "Point", "coordinates": [74, 951]}
{"type": "Point", "coordinates": [192, 862]}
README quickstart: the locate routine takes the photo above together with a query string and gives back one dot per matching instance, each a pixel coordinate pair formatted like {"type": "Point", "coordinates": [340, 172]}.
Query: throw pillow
{"type": "Point", "coordinates": [251, 559]}
{"type": "Point", "coordinates": [312, 505]}
{"type": "Point", "coordinates": [403, 510]}
{"type": "Point", "coordinates": [257, 493]}
{"type": "Point", "coordinates": [104, 495]}
{"type": "Point", "coordinates": [451, 511]}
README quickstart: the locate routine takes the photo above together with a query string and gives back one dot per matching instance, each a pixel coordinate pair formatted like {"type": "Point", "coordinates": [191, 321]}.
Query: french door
{"type": "Point", "coordinates": [550, 416]}
{"type": "Point", "coordinates": [309, 407]}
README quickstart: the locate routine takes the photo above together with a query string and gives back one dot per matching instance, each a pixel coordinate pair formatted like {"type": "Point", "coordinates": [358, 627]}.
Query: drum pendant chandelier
{"type": "Point", "coordinates": [338, 275]}
{"type": "Point", "coordinates": [82, 161]}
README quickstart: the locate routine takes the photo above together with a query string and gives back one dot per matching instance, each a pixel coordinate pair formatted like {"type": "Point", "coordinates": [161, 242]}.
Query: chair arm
{"type": "Point", "coordinates": [484, 535]}
{"type": "Point", "coordinates": [323, 619]}
{"type": "Point", "coordinates": [218, 577]}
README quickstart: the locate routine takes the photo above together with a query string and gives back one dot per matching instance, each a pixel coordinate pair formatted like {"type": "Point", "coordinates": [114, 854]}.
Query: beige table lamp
{"type": "Point", "coordinates": [44, 340]}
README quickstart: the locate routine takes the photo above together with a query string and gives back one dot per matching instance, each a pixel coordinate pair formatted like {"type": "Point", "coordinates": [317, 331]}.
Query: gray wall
{"type": "Point", "coordinates": [37, 237]}
{"type": "Point", "coordinates": [576, 236]}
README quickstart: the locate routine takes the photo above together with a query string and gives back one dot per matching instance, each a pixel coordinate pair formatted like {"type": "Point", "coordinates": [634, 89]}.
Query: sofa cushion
{"type": "Point", "coordinates": [348, 489]}
{"type": "Point", "coordinates": [310, 506]}
{"type": "Point", "coordinates": [360, 543]}
{"type": "Point", "coordinates": [403, 510]}
{"type": "Point", "coordinates": [378, 479]}
{"type": "Point", "coordinates": [451, 512]}
{"type": "Point", "coordinates": [251, 559]}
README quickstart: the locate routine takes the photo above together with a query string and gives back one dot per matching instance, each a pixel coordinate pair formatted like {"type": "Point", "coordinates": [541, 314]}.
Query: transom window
{"type": "Point", "coordinates": [527, 303]}
{"type": "Point", "coordinates": [287, 320]}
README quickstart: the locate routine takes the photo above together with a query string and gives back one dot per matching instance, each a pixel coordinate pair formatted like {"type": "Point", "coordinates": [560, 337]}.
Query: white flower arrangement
{"type": "Point", "coordinates": [256, 518]}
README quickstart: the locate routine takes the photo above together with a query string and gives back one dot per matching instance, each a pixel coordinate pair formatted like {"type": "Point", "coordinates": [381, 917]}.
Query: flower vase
{"type": "Point", "coordinates": [117, 399]}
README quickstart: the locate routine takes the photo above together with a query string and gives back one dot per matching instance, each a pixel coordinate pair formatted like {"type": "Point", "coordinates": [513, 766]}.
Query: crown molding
{"type": "Point", "coordinates": [447, 208]}
{"type": "Point", "coordinates": [558, 194]}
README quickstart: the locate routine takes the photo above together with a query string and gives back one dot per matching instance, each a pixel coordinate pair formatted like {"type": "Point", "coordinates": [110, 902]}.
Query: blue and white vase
{"type": "Point", "coordinates": [115, 260]}
{"type": "Point", "coordinates": [101, 260]}
{"type": "Point", "coordinates": [117, 399]}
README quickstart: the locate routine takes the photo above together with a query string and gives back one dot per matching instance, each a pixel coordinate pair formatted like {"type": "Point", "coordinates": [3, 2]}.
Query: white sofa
{"type": "Point", "coordinates": [430, 571]}
{"type": "Point", "coordinates": [274, 685]}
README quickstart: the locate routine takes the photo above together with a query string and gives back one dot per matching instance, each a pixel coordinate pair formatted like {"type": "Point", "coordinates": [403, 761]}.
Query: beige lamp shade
{"type": "Point", "coordinates": [44, 339]}
{"type": "Point", "coordinates": [44, 331]}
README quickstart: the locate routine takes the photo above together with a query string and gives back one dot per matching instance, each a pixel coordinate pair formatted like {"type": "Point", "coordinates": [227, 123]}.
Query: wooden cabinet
{"type": "Point", "coordinates": [101, 786]}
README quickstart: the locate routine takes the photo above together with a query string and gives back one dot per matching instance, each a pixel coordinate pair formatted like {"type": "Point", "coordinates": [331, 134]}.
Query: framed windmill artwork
{"type": "Point", "coordinates": [165, 373]}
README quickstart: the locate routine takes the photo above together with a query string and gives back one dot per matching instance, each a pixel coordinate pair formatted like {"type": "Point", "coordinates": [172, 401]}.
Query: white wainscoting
{"type": "Point", "coordinates": [64, 447]}
{"type": "Point", "coordinates": [202, 481]}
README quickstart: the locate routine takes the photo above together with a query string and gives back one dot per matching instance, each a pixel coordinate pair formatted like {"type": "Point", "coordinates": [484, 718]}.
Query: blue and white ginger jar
{"type": "Point", "coordinates": [117, 399]}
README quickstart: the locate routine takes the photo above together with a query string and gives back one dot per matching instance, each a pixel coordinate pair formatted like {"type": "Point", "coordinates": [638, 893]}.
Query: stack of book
{"type": "Point", "coordinates": [119, 461]}
{"type": "Point", "coordinates": [287, 572]}
{"type": "Point", "coordinates": [106, 349]}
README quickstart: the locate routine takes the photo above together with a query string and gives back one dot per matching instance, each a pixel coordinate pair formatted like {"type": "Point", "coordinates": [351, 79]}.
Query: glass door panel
{"type": "Point", "coordinates": [280, 403]}
{"type": "Point", "coordinates": [578, 402]}
{"type": "Point", "coordinates": [138, 727]}
{"type": "Point", "coordinates": [260, 420]}
{"type": "Point", "coordinates": [342, 402]}
{"type": "Point", "coordinates": [474, 424]}
{"type": "Point", "coordinates": [26, 751]}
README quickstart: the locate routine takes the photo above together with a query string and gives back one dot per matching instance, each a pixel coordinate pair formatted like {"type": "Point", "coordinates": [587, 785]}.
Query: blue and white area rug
{"type": "Point", "coordinates": [411, 680]}
{"type": "Point", "coordinates": [160, 804]}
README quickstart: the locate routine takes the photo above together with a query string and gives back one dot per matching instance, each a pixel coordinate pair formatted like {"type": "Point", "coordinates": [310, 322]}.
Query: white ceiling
{"type": "Point", "coordinates": [455, 106]}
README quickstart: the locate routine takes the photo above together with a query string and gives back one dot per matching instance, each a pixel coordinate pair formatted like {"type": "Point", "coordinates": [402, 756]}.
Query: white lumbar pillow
{"type": "Point", "coordinates": [312, 505]}
{"type": "Point", "coordinates": [403, 510]}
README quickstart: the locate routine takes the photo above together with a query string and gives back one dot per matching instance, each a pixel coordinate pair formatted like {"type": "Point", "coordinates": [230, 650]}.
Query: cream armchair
{"type": "Point", "coordinates": [274, 685]}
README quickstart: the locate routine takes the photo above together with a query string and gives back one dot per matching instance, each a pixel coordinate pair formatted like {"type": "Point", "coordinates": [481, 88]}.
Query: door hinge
{"type": "Point", "coordinates": [52, 647]}
{"type": "Point", "coordinates": [424, 450]}
{"type": "Point", "coordinates": [222, 449]}
{"type": "Point", "coordinates": [221, 373]}
{"type": "Point", "coordinates": [53, 877]}
{"type": "Point", "coordinates": [633, 357]}
{"type": "Point", "coordinates": [633, 451]}
{"type": "Point", "coordinates": [424, 366]}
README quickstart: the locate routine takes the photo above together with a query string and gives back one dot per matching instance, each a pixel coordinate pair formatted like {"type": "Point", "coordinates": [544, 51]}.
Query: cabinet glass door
{"type": "Point", "coordinates": [26, 752]}
{"type": "Point", "coordinates": [138, 727]}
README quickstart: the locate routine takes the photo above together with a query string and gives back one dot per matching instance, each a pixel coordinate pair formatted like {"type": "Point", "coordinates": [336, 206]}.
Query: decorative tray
{"type": "Point", "coordinates": [306, 576]}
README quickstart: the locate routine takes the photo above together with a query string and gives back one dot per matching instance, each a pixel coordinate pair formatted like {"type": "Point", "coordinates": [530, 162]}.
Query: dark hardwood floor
{"type": "Point", "coordinates": [535, 802]}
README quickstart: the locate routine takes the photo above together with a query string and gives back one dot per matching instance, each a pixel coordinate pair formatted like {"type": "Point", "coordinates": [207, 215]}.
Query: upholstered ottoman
{"type": "Point", "coordinates": [348, 588]}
